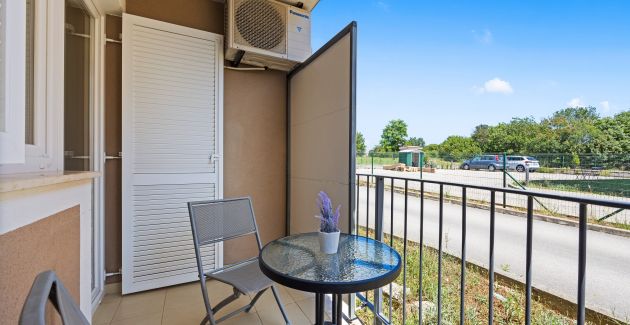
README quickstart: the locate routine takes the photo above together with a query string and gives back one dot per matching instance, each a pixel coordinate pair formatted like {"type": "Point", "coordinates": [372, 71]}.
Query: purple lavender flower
{"type": "Point", "coordinates": [329, 218]}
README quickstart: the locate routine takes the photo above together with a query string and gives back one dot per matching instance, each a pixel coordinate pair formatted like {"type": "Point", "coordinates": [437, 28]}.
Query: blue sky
{"type": "Point", "coordinates": [446, 66]}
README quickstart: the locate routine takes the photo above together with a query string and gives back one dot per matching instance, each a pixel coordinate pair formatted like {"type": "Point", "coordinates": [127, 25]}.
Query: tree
{"type": "Point", "coordinates": [577, 114]}
{"type": "Point", "coordinates": [393, 136]}
{"type": "Point", "coordinates": [572, 131]}
{"type": "Point", "coordinates": [360, 144]}
{"type": "Point", "coordinates": [481, 136]}
{"type": "Point", "coordinates": [413, 141]}
{"type": "Point", "coordinates": [456, 148]}
{"type": "Point", "coordinates": [431, 149]}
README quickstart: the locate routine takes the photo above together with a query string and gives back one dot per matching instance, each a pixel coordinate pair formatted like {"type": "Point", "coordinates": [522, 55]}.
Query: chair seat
{"type": "Point", "coordinates": [247, 278]}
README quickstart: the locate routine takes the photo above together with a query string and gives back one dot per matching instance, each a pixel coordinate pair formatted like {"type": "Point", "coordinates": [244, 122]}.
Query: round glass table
{"type": "Point", "coordinates": [360, 264]}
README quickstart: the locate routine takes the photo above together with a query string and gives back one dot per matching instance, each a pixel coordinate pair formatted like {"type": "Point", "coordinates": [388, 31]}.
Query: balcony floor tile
{"type": "Point", "coordinates": [183, 304]}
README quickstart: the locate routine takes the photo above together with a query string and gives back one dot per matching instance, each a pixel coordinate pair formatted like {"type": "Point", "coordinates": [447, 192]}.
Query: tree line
{"type": "Point", "coordinates": [393, 137]}
{"type": "Point", "coordinates": [573, 130]}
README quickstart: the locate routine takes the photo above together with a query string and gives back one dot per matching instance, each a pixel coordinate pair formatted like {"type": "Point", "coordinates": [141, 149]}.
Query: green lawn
{"type": "Point", "coordinates": [615, 187]}
{"type": "Point", "coordinates": [378, 161]}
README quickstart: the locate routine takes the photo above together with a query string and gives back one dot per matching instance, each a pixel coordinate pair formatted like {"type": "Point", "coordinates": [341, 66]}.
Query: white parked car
{"type": "Point", "coordinates": [521, 163]}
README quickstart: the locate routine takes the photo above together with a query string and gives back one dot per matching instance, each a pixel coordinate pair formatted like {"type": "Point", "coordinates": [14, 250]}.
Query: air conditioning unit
{"type": "Point", "coordinates": [270, 33]}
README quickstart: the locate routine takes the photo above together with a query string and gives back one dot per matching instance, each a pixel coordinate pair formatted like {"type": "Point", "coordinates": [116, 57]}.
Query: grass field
{"type": "Point", "coordinates": [378, 161]}
{"type": "Point", "coordinates": [508, 308]}
{"type": "Point", "coordinates": [615, 187]}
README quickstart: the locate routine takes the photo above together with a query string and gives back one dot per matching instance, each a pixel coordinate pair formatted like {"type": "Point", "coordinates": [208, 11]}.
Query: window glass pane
{"type": "Point", "coordinates": [77, 108]}
{"type": "Point", "coordinates": [30, 77]}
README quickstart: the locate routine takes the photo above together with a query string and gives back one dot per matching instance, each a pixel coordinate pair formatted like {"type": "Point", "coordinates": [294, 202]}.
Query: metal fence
{"type": "Point", "coordinates": [375, 208]}
{"type": "Point", "coordinates": [587, 179]}
{"type": "Point", "coordinates": [616, 162]}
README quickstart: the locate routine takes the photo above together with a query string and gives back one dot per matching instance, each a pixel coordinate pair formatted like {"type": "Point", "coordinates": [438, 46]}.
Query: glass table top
{"type": "Point", "coordinates": [359, 260]}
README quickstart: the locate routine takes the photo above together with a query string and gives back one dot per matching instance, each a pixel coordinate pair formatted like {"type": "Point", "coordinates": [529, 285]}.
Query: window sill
{"type": "Point", "coordinates": [20, 182]}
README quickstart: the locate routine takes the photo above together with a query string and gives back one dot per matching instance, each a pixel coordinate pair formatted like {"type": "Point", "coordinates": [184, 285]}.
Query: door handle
{"type": "Point", "coordinates": [114, 157]}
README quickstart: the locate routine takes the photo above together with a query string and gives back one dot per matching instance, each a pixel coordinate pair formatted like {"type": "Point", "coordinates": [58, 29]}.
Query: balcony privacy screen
{"type": "Point", "coordinates": [321, 99]}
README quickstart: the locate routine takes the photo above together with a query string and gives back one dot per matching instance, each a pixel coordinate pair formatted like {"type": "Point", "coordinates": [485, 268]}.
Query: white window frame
{"type": "Point", "coordinates": [46, 153]}
{"type": "Point", "coordinates": [97, 144]}
{"type": "Point", "coordinates": [96, 136]}
{"type": "Point", "coordinates": [13, 68]}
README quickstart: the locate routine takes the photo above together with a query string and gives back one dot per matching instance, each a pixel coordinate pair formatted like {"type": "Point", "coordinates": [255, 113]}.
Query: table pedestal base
{"type": "Point", "coordinates": [320, 308]}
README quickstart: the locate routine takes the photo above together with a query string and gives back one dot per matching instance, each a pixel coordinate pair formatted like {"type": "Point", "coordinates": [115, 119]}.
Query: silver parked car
{"type": "Point", "coordinates": [521, 163]}
{"type": "Point", "coordinates": [489, 162]}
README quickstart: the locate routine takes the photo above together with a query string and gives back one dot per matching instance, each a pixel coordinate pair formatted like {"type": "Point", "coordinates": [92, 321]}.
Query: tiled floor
{"type": "Point", "coordinates": [183, 304]}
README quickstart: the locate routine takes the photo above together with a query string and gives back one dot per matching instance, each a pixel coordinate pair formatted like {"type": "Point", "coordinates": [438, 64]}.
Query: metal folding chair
{"type": "Point", "coordinates": [47, 287]}
{"type": "Point", "coordinates": [222, 220]}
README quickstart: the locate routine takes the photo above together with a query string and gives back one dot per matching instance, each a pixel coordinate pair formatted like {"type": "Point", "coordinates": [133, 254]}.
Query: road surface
{"type": "Point", "coordinates": [495, 179]}
{"type": "Point", "coordinates": [555, 249]}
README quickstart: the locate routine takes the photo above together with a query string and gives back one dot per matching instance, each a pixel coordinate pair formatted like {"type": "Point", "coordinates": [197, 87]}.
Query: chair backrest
{"type": "Point", "coordinates": [219, 220]}
{"type": "Point", "coordinates": [48, 287]}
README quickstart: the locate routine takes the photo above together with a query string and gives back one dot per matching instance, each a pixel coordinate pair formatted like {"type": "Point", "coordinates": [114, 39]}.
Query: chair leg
{"type": "Point", "coordinates": [254, 300]}
{"type": "Point", "coordinates": [204, 292]}
{"type": "Point", "coordinates": [280, 305]}
{"type": "Point", "coordinates": [226, 301]}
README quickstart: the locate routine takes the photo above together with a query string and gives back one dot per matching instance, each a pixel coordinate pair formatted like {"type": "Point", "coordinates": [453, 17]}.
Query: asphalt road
{"type": "Point", "coordinates": [495, 179]}
{"type": "Point", "coordinates": [555, 249]}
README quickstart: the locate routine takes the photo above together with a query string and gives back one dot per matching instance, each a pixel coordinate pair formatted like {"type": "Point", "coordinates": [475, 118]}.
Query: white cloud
{"type": "Point", "coordinates": [605, 106]}
{"type": "Point", "coordinates": [575, 102]}
{"type": "Point", "coordinates": [483, 37]}
{"type": "Point", "coordinates": [551, 83]}
{"type": "Point", "coordinates": [495, 85]}
{"type": "Point", "coordinates": [383, 5]}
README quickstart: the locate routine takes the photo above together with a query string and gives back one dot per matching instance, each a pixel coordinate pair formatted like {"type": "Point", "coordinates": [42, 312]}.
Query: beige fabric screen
{"type": "Point", "coordinates": [321, 133]}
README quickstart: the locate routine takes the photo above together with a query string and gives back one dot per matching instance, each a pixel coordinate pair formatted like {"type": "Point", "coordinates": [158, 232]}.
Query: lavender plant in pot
{"type": "Point", "coordinates": [328, 230]}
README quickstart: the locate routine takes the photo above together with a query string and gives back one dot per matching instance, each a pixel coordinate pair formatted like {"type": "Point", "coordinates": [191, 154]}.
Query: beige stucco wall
{"type": "Point", "coordinates": [254, 123]}
{"type": "Point", "coordinates": [52, 243]}
{"type": "Point", "coordinates": [255, 149]}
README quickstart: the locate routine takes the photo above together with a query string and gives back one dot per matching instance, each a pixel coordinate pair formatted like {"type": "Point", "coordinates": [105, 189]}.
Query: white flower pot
{"type": "Point", "coordinates": [329, 242]}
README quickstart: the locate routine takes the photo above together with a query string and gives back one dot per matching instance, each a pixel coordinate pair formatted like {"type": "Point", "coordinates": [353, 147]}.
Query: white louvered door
{"type": "Point", "coordinates": [172, 148]}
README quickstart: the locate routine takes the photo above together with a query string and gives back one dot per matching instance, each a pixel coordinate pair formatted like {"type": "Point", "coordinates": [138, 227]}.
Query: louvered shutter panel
{"type": "Point", "coordinates": [171, 134]}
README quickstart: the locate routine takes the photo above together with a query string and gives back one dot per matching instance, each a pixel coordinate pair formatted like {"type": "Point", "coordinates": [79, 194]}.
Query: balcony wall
{"type": "Point", "coordinates": [45, 224]}
{"type": "Point", "coordinates": [51, 243]}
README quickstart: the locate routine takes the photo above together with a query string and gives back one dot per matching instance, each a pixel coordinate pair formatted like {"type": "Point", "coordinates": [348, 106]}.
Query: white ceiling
{"type": "Point", "coordinates": [110, 6]}
{"type": "Point", "coordinates": [118, 6]}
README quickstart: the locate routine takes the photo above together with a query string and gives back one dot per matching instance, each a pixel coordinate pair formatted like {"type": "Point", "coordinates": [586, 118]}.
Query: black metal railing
{"type": "Point", "coordinates": [378, 183]}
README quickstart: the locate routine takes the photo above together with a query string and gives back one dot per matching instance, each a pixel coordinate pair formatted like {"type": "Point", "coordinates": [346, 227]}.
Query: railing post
{"type": "Point", "coordinates": [491, 259]}
{"type": "Point", "coordinates": [372, 156]}
{"type": "Point", "coordinates": [527, 176]}
{"type": "Point", "coordinates": [504, 177]}
{"type": "Point", "coordinates": [421, 163]}
{"type": "Point", "coordinates": [581, 312]}
{"type": "Point", "coordinates": [378, 235]}
{"type": "Point", "coordinates": [528, 260]}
